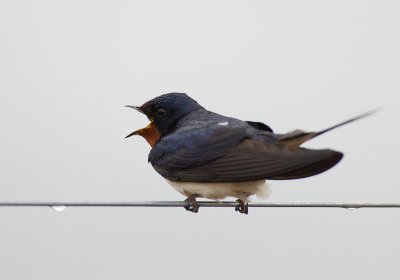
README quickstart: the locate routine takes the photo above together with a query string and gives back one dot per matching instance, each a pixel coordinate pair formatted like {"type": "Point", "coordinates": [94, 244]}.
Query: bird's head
{"type": "Point", "coordinates": [163, 112]}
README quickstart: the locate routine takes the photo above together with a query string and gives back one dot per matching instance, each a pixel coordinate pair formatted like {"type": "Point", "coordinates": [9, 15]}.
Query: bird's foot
{"type": "Point", "coordinates": [243, 207]}
{"type": "Point", "coordinates": [193, 204]}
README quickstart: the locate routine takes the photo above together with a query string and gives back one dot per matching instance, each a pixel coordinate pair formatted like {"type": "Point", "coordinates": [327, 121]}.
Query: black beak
{"type": "Point", "coordinates": [139, 110]}
{"type": "Point", "coordinates": [135, 107]}
{"type": "Point", "coordinates": [133, 133]}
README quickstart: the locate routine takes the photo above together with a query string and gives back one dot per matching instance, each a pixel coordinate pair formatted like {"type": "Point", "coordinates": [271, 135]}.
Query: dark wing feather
{"type": "Point", "coordinates": [260, 126]}
{"type": "Point", "coordinates": [194, 147]}
{"type": "Point", "coordinates": [252, 160]}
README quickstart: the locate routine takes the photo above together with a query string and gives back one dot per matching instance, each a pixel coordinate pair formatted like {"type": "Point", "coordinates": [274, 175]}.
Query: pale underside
{"type": "Point", "coordinates": [217, 191]}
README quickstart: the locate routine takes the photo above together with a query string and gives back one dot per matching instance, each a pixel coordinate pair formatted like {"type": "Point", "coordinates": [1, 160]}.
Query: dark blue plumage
{"type": "Point", "coordinates": [192, 144]}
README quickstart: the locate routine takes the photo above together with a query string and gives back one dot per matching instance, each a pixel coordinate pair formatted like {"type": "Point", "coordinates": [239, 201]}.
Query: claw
{"type": "Point", "coordinates": [243, 207]}
{"type": "Point", "coordinates": [193, 204]}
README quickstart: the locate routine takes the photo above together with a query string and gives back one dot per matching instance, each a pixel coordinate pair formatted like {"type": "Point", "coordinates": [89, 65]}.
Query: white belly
{"type": "Point", "coordinates": [241, 190]}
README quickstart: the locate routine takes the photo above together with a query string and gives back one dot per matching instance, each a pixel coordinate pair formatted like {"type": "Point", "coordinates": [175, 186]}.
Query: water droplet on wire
{"type": "Point", "coordinates": [59, 208]}
{"type": "Point", "coordinates": [351, 208]}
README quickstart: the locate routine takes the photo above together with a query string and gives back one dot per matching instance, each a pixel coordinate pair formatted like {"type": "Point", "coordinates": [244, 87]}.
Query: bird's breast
{"type": "Point", "coordinates": [218, 191]}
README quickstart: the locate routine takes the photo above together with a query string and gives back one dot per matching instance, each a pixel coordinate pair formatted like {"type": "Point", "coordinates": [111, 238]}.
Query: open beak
{"type": "Point", "coordinates": [137, 132]}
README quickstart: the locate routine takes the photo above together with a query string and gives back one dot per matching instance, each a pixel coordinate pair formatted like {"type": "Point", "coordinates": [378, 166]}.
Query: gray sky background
{"type": "Point", "coordinates": [67, 69]}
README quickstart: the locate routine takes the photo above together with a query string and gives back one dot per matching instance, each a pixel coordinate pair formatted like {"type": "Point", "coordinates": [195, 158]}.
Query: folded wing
{"type": "Point", "coordinates": [252, 160]}
{"type": "Point", "coordinates": [194, 147]}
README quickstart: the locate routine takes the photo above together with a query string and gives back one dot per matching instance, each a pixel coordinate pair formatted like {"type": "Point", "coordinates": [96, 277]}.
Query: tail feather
{"type": "Point", "coordinates": [296, 138]}
{"type": "Point", "coordinates": [366, 114]}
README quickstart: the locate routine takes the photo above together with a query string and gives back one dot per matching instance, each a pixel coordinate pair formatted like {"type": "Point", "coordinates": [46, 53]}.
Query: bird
{"type": "Point", "coordinates": [203, 154]}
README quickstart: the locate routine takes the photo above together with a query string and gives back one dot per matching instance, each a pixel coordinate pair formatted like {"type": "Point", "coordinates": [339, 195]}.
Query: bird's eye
{"type": "Point", "coordinates": [161, 112]}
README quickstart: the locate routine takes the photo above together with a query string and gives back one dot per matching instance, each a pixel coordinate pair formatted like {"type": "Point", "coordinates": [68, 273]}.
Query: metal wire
{"type": "Point", "coordinates": [347, 205]}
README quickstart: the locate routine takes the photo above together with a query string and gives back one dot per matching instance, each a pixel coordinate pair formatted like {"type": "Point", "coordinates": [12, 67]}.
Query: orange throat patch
{"type": "Point", "coordinates": [150, 133]}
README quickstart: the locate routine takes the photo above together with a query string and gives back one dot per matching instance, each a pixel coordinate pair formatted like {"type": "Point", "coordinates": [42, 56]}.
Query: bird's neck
{"type": "Point", "coordinates": [150, 133]}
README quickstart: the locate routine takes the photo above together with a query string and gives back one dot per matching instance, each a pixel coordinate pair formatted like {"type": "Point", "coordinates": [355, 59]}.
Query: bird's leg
{"type": "Point", "coordinates": [243, 207]}
{"type": "Point", "coordinates": [193, 204]}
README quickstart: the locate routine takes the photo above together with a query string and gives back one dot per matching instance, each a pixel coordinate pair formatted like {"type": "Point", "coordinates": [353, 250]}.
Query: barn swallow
{"type": "Point", "coordinates": [204, 154]}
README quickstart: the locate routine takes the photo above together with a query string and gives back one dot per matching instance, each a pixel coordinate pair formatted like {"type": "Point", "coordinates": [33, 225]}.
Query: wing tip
{"type": "Point", "coordinates": [327, 160]}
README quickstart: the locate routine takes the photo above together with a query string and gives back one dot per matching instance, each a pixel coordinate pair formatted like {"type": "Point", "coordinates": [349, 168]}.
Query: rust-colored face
{"type": "Point", "coordinates": [150, 133]}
